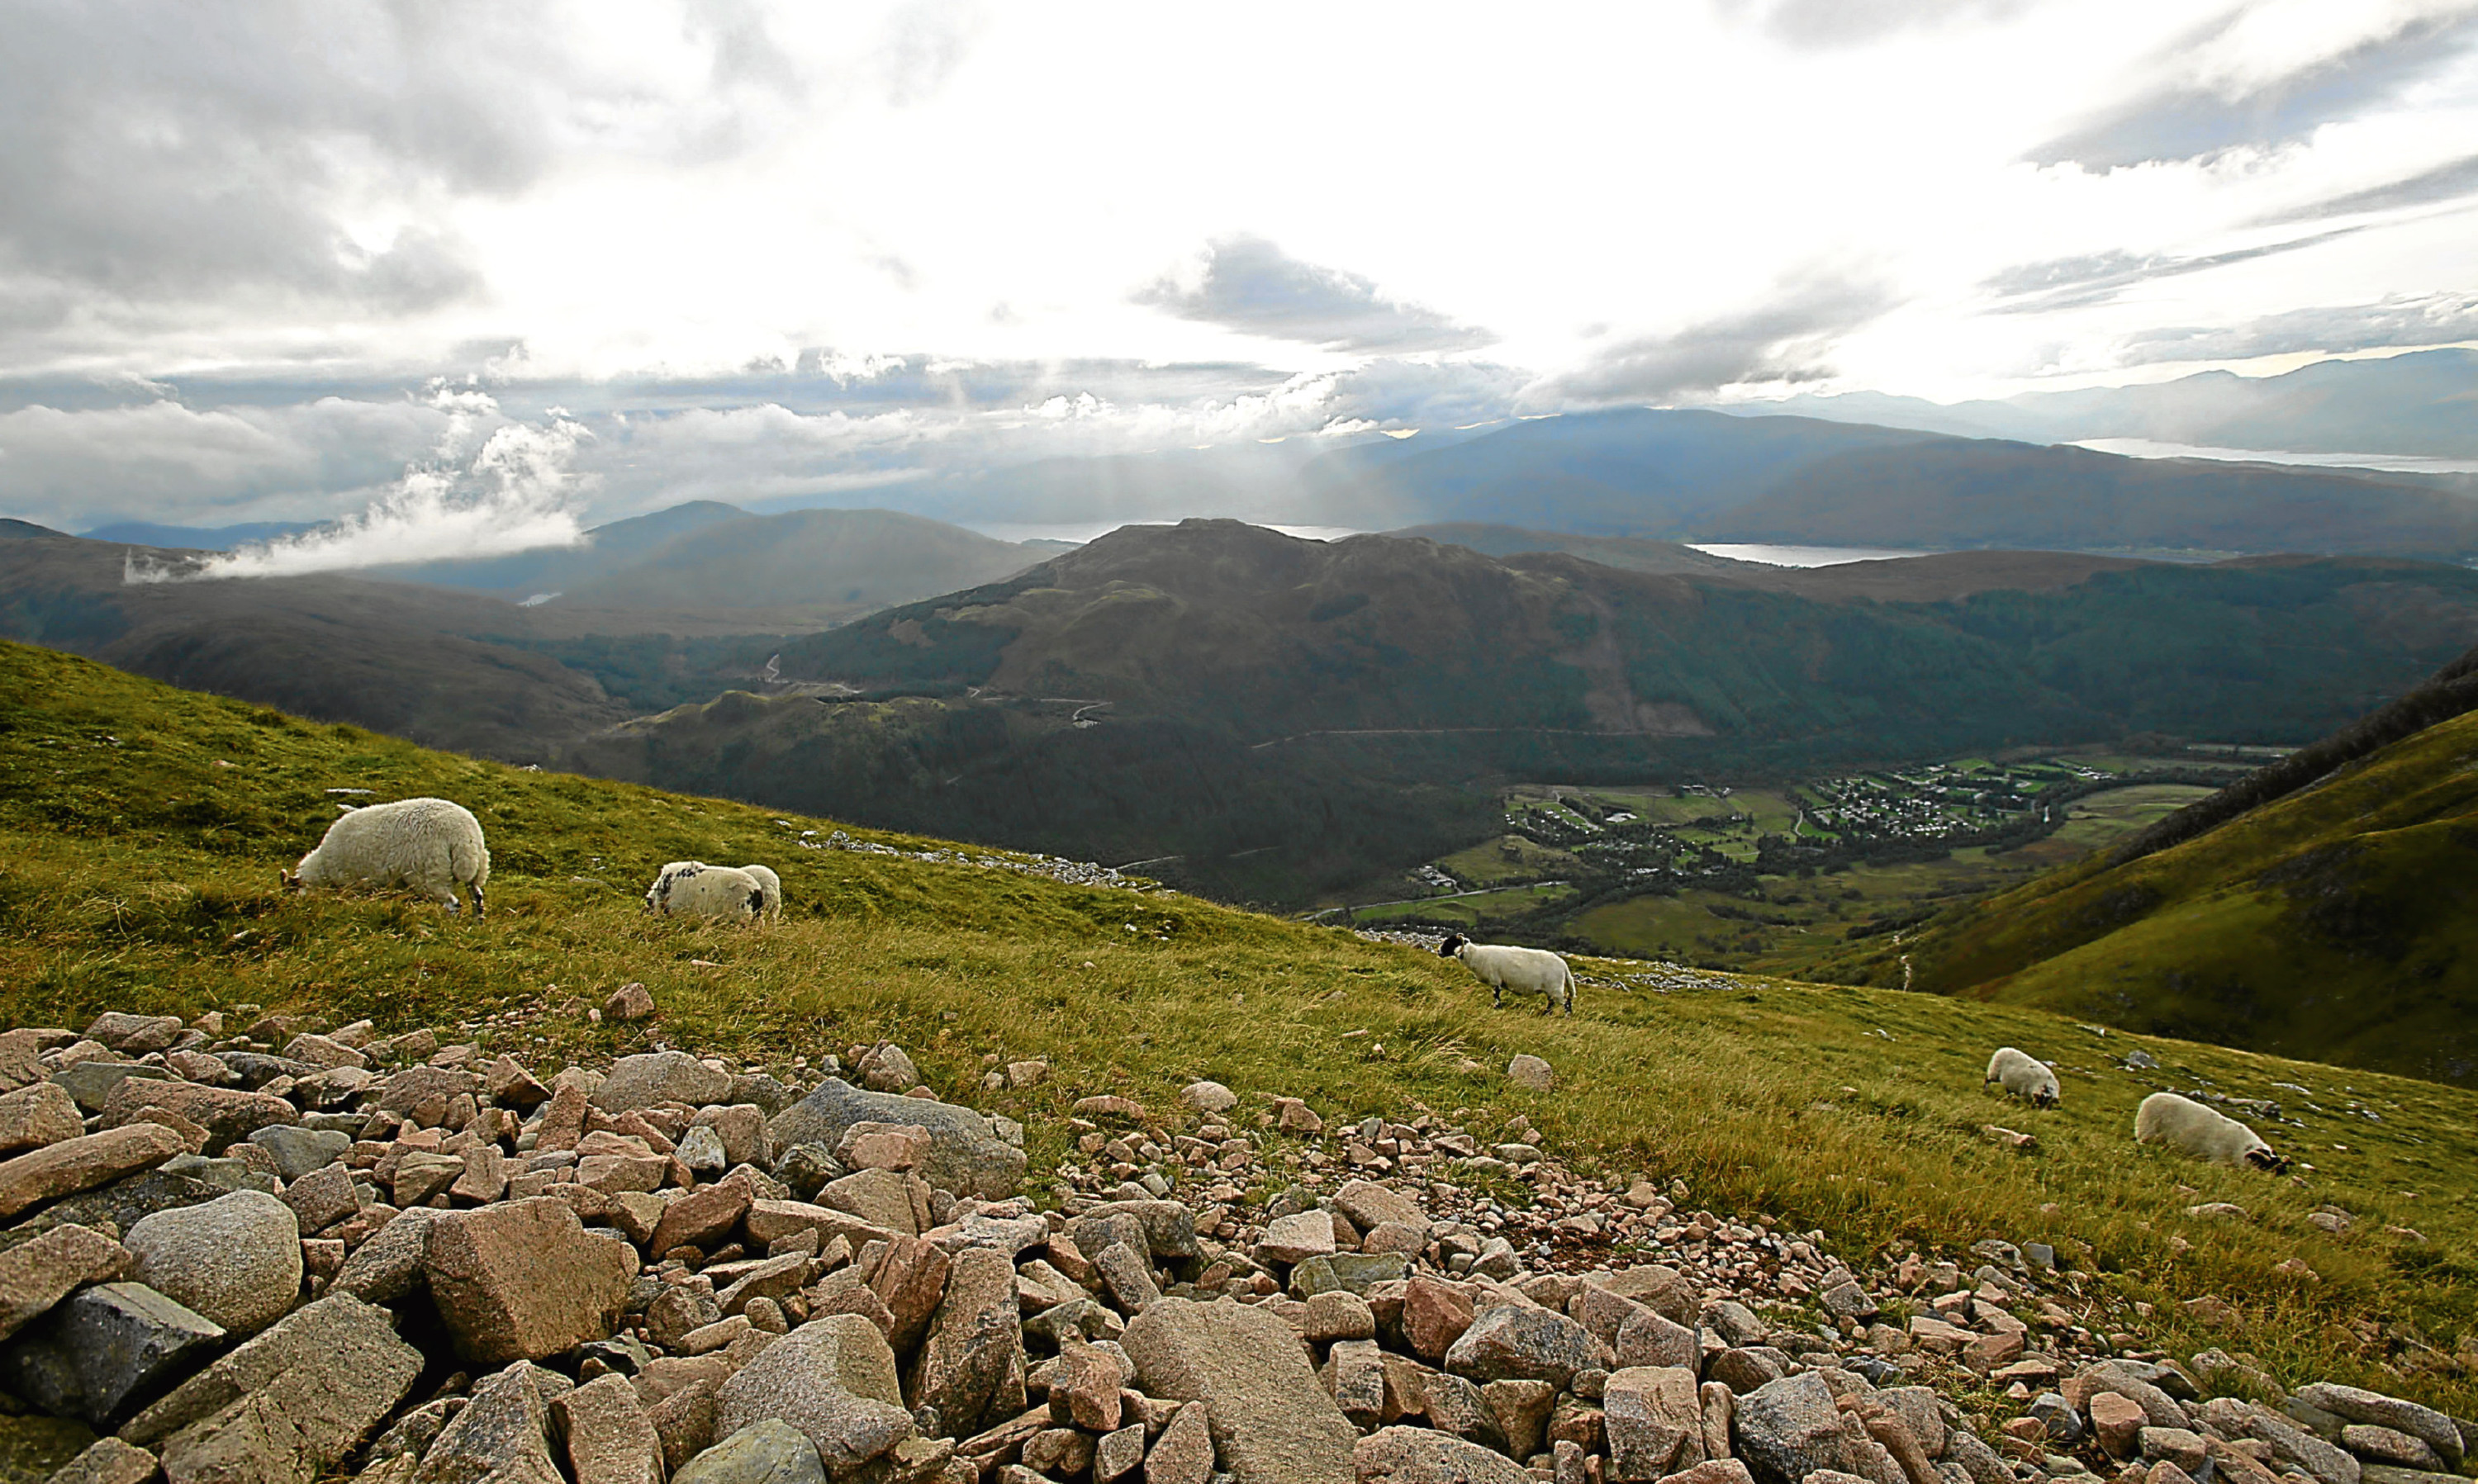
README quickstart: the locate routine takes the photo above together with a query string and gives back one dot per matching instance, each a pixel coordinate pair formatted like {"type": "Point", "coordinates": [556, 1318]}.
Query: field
{"type": "Point", "coordinates": [142, 829]}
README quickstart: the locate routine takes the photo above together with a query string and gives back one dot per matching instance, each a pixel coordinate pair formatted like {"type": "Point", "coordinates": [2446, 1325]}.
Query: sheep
{"type": "Point", "coordinates": [692, 889]}
{"type": "Point", "coordinates": [774, 888]}
{"type": "Point", "coordinates": [2188, 1127]}
{"type": "Point", "coordinates": [429, 844]}
{"type": "Point", "coordinates": [2024, 1075]}
{"type": "Point", "coordinates": [1523, 970]}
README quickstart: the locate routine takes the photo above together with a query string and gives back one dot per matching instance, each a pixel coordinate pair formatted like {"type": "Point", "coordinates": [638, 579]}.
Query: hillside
{"type": "Point", "coordinates": [142, 829]}
{"type": "Point", "coordinates": [2335, 920]}
{"type": "Point", "coordinates": [1627, 554]}
{"type": "Point", "coordinates": [835, 560]}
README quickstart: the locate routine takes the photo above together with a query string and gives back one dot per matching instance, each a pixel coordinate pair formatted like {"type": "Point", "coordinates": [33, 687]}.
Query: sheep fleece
{"type": "Point", "coordinates": [430, 845]}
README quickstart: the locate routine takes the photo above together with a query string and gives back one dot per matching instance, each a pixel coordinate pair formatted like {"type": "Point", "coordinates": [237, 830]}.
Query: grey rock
{"type": "Point", "coordinates": [1733, 1322]}
{"type": "Point", "coordinates": [1085, 1317]}
{"type": "Point", "coordinates": [91, 1083]}
{"type": "Point", "coordinates": [1421, 1455]}
{"type": "Point", "coordinates": [769, 1095]}
{"type": "Point", "coordinates": [1788, 1429]}
{"type": "Point", "coordinates": [652, 1077]}
{"type": "Point", "coordinates": [108, 1461]}
{"type": "Point", "coordinates": [1654, 1415]}
{"type": "Point", "coordinates": [105, 1351]}
{"type": "Point", "coordinates": [808, 1168]}
{"type": "Point", "coordinates": [1267, 1412]}
{"type": "Point", "coordinates": [766, 1452]}
{"type": "Point", "coordinates": [833, 1379]}
{"type": "Point", "coordinates": [700, 1149]}
{"type": "Point", "coordinates": [1514, 1342]}
{"type": "Point", "coordinates": [501, 1437]}
{"type": "Point", "coordinates": [256, 1068]}
{"type": "Point", "coordinates": [299, 1152]}
{"type": "Point", "coordinates": [965, 1158]}
{"type": "Point", "coordinates": [225, 1173]}
{"type": "Point", "coordinates": [2358, 1405]}
{"type": "Point", "coordinates": [289, 1404]}
{"type": "Point", "coordinates": [1354, 1272]}
{"type": "Point", "coordinates": [1117, 1453]}
{"type": "Point", "coordinates": [119, 1206]}
{"type": "Point", "coordinates": [237, 1259]}
{"type": "Point", "coordinates": [2290, 1444]}
{"type": "Point", "coordinates": [2391, 1446]}
{"type": "Point", "coordinates": [387, 1265]}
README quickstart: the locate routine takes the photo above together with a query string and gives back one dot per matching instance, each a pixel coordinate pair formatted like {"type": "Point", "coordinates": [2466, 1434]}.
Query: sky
{"type": "Point", "coordinates": [474, 274]}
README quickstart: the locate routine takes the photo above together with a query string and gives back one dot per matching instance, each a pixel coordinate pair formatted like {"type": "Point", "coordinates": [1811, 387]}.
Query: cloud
{"type": "Point", "coordinates": [515, 491]}
{"type": "Point", "coordinates": [1248, 283]}
{"type": "Point", "coordinates": [2095, 278]}
{"type": "Point", "coordinates": [2444, 183]}
{"type": "Point", "coordinates": [2184, 117]}
{"type": "Point", "coordinates": [1781, 341]}
{"type": "Point", "coordinates": [2402, 322]}
{"type": "Point", "coordinates": [1823, 24]}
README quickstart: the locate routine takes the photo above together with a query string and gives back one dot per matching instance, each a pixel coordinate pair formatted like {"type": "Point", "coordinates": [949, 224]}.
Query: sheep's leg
{"type": "Point", "coordinates": [479, 910]}
{"type": "Point", "coordinates": [1497, 997]}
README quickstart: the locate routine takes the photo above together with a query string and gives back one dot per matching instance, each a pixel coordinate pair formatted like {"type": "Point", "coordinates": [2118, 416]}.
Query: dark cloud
{"type": "Point", "coordinates": [159, 155]}
{"type": "Point", "coordinates": [2399, 323]}
{"type": "Point", "coordinates": [1250, 285]}
{"type": "Point", "coordinates": [1823, 24]}
{"type": "Point", "coordinates": [2444, 183]}
{"type": "Point", "coordinates": [2070, 283]}
{"type": "Point", "coordinates": [1784, 342]}
{"type": "Point", "coordinates": [2189, 122]}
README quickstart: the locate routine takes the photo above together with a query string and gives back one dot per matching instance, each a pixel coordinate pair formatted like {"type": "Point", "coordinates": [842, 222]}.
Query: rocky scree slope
{"type": "Point", "coordinates": [286, 1252]}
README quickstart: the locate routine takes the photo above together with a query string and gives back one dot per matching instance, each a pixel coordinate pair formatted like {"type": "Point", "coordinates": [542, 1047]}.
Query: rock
{"type": "Point", "coordinates": [609, 1438]}
{"type": "Point", "coordinates": [1514, 1342]}
{"type": "Point", "coordinates": [2177, 1446]}
{"type": "Point", "coordinates": [1169, 1226]}
{"type": "Point", "coordinates": [1296, 1237]}
{"type": "Point", "coordinates": [83, 1163]}
{"type": "Point", "coordinates": [36, 1275]}
{"type": "Point", "coordinates": [524, 1280]}
{"type": "Point", "coordinates": [1357, 1372]}
{"type": "Point", "coordinates": [652, 1077]}
{"type": "Point", "coordinates": [300, 1150]}
{"type": "Point", "coordinates": [769, 1222]}
{"type": "Point", "coordinates": [1085, 1389]}
{"type": "Point", "coordinates": [322, 1197]}
{"type": "Point", "coordinates": [1435, 1316]}
{"type": "Point", "coordinates": [110, 1461]}
{"type": "Point", "coordinates": [886, 1069]}
{"type": "Point", "coordinates": [135, 1034]}
{"type": "Point", "coordinates": [2119, 1421]}
{"type": "Point", "coordinates": [91, 1084]}
{"type": "Point", "coordinates": [37, 1114]}
{"type": "Point", "coordinates": [226, 1114]}
{"type": "Point", "coordinates": [1654, 1420]}
{"type": "Point", "coordinates": [1661, 1289]}
{"type": "Point", "coordinates": [833, 1379]}
{"type": "Point", "coordinates": [1454, 1405]}
{"type": "Point", "coordinates": [910, 1280]}
{"type": "Point", "coordinates": [1337, 1313]}
{"type": "Point", "coordinates": [881, 1198]}
{"type": "Point", "coordinates": [499, 1437]}
{"type": "Point", "coordinates": [236, 1259]}
{"type": "Point", "coordinates": [2329, 1465]}
{"type": "Point", "coordinates": [98, 1354]}
{"type": "Point", "coordinates": [387, 1265]}
{"type": "Point", "coordinates": [965, 1156]}
{"type": "Point", "coordinates": [1126, 1276]}
{"type": "Point", "coordinates": [511, 1086]}
{"type": "Point", "coordinates": [969, 1372]}
{"type": "Point", "coordinates": [414, 1086]}
{"type": "Point", "coordinates": [1787, 1430]}
{"type": "Point", "coordinates": [2374, 1409]}
{"type": "Point", "coordinates": [1183, 1455]}
{"type": "Point", "coordinates": [2391, 1446]}
{"type": "Point", "coordinates": [702, 1150]}
{"type": "Point", "coordinates": [767, 1451]}
{"type": "Point", "coordinates": [323, 1053]}
{"type": "Point", "coordinates": [1716, 1471]}
{"type": "Point", "coordinates": [1293, 1117]}
{"type": "Point", "coordinates": [1060, 1452]}
{"type": "Point", "coordinates": [1207, 1097]}
{"type": "Point", "coordinates": [702, 1217]}
{"type": "Point", "coordinates": [1648, 1337]}
{"type": "Point", "coordinates": [1268, 1414]}
{"type": "Point", "coordinates": [685, 1420]}
{"type": "Point", "coordinates": [1369, 1205]}
{"type": "Point", "coordinates": [289, 1404]}
{"type": "Point", "coordinates": [1530, 1071]}
{"type": "Point", "coordinates": [1115, 1454]}
{"type": "Point", "coordinates": [1419, 1455]}
{"type": "Point", "coordinates": [631, 1001]}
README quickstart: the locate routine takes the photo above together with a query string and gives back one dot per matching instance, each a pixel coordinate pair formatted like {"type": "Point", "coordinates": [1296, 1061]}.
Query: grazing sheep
{"type": "Point", "coordinates": [1523, 970]}
{"type": "Point", "coordinates": [2190, 1128]}
{"type": "Point", "coordinates": [2024, 1075]}
{"type": "Point", "coordinates": [692, 889]}
{"type": "Point", "coordinates": [429, 844]}
{"type": "Point", "coordinates": [774, 888]}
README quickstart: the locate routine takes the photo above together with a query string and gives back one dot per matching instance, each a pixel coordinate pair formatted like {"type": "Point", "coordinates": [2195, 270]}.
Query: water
{"type": "Point", "coordinates": [2397, 464]}
{"type": "Point", "coordinates": [1802, 555]}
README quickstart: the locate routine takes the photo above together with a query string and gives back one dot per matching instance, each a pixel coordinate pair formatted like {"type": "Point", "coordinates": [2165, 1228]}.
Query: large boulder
{"type": "Point", "coordinates": [525, 1279]}
{"type": "Point", "coordinates": [227, 1114]}
{"type": "Point", "coordinates": [833, 1378]}
{"type": "Point", "coordinates": [653, 1077]}
{"type": "Point", "coordinates": [969, 1372]}
{"type": "Point", "coordinates": [966, 1155]}
{"type": "Point", "coordinates": [1788, 1429]}
{"type": "Point", "coordinates": [2375, 1409]}
{"type": "Point", "coordinates": [1513, 1341]}
{"type": "Point", "coordinates": [769, 1451]}
{"type": "Point", "coordinates": [237, 1259]}
{"type": "Point", "coordinates": [1654, 1420]}
{"type": "Point", "coordinates": [1269, 1416]}
{"type": "Point", "coordinates": [1422, 1455]}
{"type": "Point", "coordinates": [501, 1437]}
{"type": "Point", "coordinates": [82, 1164]}
{"type": "Point", "coordinates": [33, 1117]}
{"type": "Point", "coordinates": [99, 1354]}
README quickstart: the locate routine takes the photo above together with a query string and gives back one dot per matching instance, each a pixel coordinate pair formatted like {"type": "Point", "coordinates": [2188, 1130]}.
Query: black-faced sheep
{"type": "Point", "coordinates": [692, 889]}
{"type": "Point", "coordinates": [429, 844]}
{"type": "Point", "coordinates": [2024, 1075]}
{"type": "Point", "coordinates": [2190, 1128]}
{"type": "Point", "coordinates": [1523, 970]}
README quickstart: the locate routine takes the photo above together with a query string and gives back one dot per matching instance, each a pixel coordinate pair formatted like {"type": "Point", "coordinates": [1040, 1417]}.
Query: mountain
{"type": "Point", "coordinates": [1627, 554]}
{"type": "Point", "coordinates": [1290, 716]}
{"type": "Point", "coordinates": [833, 559]}
{"type": "Point", "coordinates": [607, 549]}
{"type": "Point", "coordinates": [2336, 918]}
{"type": "Point", "coordinates": [197, 538]}
{"type": "Point", "coordinates": [2420, 403]}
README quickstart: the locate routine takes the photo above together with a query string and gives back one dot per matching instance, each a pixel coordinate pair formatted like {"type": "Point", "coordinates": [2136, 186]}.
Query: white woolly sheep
{"type": "Point", "coordinates": [692, 889]}
{"type": "Point", "coordinates": [2190, 1128]}
{"type": "Point", "coordinates": [772, 886]}
{"type": "Point", "coordinates": [1523, 970]}
{"type": "Point", "coordinates": [429, 844]}
{"type": "Point", "coordinates": [2024, 1075]}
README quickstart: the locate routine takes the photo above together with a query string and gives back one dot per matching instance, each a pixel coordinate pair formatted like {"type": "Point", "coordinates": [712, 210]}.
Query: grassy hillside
{"type": "Point", "coordinates": [142, 829]}
{"type": "Point", "coordinates": [2340, 921]}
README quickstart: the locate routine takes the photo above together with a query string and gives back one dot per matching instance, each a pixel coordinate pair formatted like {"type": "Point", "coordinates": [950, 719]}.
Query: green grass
{"type": "Point", "coordinates": [137, 873]}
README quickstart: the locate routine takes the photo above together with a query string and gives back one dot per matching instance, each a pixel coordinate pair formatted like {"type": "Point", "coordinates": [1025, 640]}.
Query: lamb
{"type": "Point", "coordinates": [774, 888]}
{"type": "Point", "coordinates": [2024, 1075]}
{"type": "Point", "coordinates": [692, 889]}
{"type": "Point", "coordinates": [1523, 970]}
{"type": "Point", "coordinates": [2190, 1128]}
{"type": "Point", "coordinates": [429, 844]}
